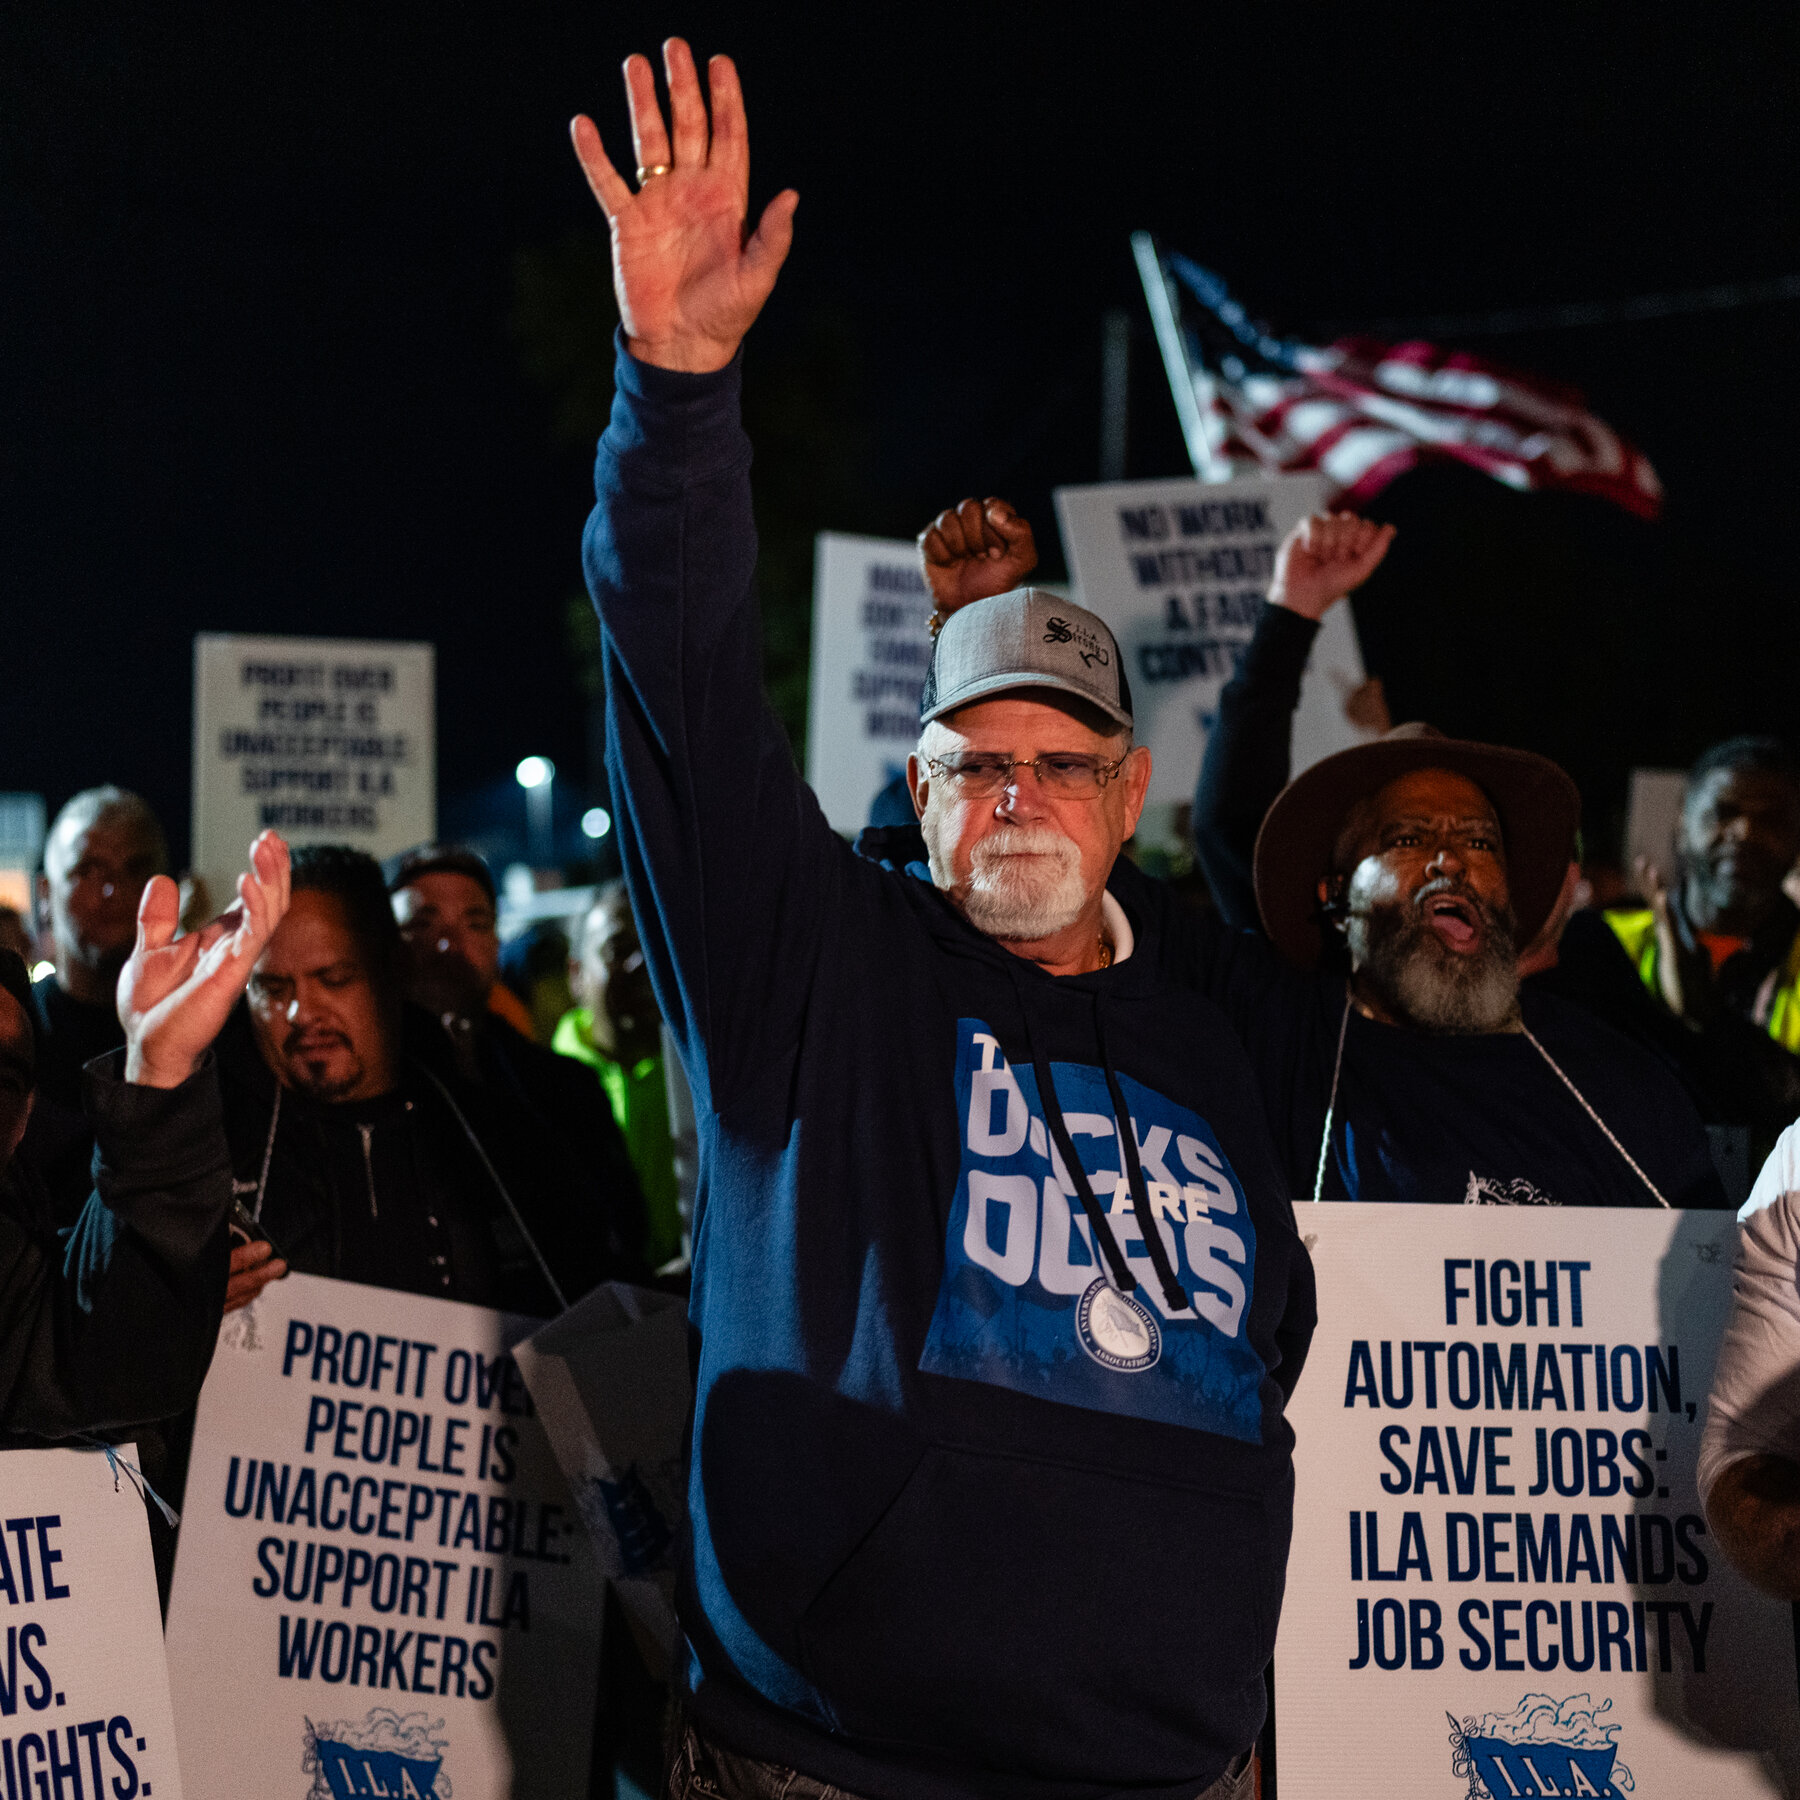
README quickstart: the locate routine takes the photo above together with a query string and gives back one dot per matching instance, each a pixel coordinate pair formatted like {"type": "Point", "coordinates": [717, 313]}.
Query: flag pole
{"type": "Point", "coordinates": [1191, 386]}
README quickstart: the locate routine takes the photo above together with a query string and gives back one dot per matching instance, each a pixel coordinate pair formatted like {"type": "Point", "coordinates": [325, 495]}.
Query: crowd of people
{"type": "Point", "coordinates": [998, 1136]}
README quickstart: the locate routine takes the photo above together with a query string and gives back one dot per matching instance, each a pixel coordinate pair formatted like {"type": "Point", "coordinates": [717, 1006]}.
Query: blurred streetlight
{"type": "Point", "coordinates": [537, 776]}
{"type": "Point", "coordinates": [596, 822]}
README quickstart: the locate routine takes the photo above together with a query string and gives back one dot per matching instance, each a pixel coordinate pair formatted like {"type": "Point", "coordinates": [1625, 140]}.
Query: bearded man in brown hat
{"type": "Point", "coordinates": [1395, 885]}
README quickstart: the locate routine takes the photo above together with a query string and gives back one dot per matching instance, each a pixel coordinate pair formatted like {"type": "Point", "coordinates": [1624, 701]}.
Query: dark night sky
{"type": "Point", "coordinates": [259, 264]}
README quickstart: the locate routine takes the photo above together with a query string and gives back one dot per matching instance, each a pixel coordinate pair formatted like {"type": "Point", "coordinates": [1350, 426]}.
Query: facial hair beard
{"type": "Point", "coordinates": [1024, 882]}
{"type": "Point", "coordinates": [314, 1078]}
{"type": "Point", "coordinates": [1422, 982]}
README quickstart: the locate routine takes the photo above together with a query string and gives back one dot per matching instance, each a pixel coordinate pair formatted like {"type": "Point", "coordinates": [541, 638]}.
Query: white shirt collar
{"type": "Point", "coordinates": [1118, 927]}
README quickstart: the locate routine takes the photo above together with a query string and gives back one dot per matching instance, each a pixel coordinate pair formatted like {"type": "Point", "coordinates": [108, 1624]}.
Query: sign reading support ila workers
{"type": "Point", "coordinates": [84, 1692]}
{"type": "Point", "coordinates": [1025, 1301]}
{"type": "Point", "coordinates": [382, 1585]}
{"type": "Point", "coordinates": [1501, 1582]}
{"type": "Point", "coordinates": [1179, 569]}
{"type": "Point", "coordinates": [328, 741]}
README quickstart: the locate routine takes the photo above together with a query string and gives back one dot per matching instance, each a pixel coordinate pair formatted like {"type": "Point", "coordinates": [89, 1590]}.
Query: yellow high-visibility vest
{"type": "Point", "coordinates": [1635, 928]}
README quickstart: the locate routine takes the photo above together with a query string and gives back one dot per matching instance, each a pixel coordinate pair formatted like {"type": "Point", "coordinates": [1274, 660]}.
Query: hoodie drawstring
{"type": "Point", "coordinates": [1123, 1279]}
{"type": "Point", "coordinates": [1174, 1294]}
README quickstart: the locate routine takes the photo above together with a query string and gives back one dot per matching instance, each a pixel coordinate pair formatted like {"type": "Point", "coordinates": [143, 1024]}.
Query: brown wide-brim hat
{"type": "Point", "coordinates": [1538, 807]}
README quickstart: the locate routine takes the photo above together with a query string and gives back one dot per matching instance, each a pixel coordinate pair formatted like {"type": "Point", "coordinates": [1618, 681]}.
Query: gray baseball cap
{"type": "Point", "coordinates": [1025, 639]}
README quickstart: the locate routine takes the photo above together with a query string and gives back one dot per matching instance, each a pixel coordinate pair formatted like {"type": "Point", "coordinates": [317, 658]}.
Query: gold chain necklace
{"type": "Point", "coordinates": [1106, 949]}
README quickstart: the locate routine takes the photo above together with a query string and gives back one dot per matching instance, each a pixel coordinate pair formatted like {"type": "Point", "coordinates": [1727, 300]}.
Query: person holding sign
{"type": "Point", "coordinates": [997, 1297]}
{"type": "Point", "coordinates": [1400, 1058]}
{"type": "Point", "coordinates": [115, 1326]}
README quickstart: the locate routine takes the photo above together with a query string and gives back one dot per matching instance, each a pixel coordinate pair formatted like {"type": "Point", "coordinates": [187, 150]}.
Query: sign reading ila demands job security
{"type": "Point", "coordinates": [328, 741]}
{"type": "Point", "coordinates": [871, 644]}
{"type": "Point", "coordinates": [1501, 1580]}
{"type": "Point", "coordinates": [1179, 569]}
{"type": "Point", "coordinates": [382, 1586]}
{"type": "Point", "coordinates": [84, 1692]}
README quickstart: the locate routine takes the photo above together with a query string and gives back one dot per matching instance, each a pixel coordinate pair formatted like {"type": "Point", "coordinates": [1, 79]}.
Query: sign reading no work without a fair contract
{"type": "Point", "coordinates": [84, 1691]}
{"type": "Point", "coordinates": [1179, 569]}
{"type": "Point", "coordinates": [382, 1586]}
{"type": "Point", "coordinates": [871, 643]}
{"type": "Point", "coordinates": [1501, 1582]}
{"type": "Point", "coordinates": [326, 740]}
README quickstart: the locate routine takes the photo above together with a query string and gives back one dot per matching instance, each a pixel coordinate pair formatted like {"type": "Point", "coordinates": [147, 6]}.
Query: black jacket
{"type": "Point", "coordinates": [112, 1325]}
{"type": "Point", "coordinates": [59, 1141]}
{"type": "Point", "coordinates": [470, 1191]}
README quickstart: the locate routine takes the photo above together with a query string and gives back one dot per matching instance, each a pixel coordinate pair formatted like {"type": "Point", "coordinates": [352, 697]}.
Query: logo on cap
{"type": "Point", "coordinates": [1087, 642]}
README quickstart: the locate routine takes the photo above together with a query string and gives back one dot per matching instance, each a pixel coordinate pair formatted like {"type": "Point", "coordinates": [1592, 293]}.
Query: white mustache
{"type": "Point", "coordinates": [1024, 840]}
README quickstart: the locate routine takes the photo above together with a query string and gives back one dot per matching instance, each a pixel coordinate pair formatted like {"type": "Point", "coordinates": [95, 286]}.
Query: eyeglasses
{"type": "Point", "coordinates": [982, 774]}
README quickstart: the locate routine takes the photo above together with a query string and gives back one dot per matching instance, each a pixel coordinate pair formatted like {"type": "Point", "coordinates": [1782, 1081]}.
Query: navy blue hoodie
{"type": "Point", "coordinates": [966, 1520]}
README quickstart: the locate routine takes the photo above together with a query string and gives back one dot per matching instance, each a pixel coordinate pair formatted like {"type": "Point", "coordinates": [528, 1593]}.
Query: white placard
{"type": "Point", "coordinates": [1474, 1507]}
{"type": "Point", "coordinates": [611, 1382]}
{"type": "Point", "coordinates": [381, 1584]}
{"type": "Point", "coordinates": [1652, 821]}
{"type": "Point", "coordinates": [1179, 569]}
{"type": "Point", "coordinates": [326, 740]}
{"type": "Point", "coordinates": [871, 643]}
{"type": "Point", "coordinates": [84, 1690]}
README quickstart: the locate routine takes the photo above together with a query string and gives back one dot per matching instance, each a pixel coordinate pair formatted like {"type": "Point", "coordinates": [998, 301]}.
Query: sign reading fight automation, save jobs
{"type": "Point", "coordinates": [84, 1692]}
{"type": "Point", "coordinates": [326, 740]}
{"type": "Point", "coordinates": [382, 1584]}
{"type": "Point", "coordinates": [1501, 1580]}
{"type": "Point", "coordinates": [1179, 569]}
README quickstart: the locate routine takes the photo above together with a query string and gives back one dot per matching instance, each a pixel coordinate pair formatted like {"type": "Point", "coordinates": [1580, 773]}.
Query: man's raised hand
{"type": "Point", "coordinates": [689, 282]}
{"type": "Point", "coordinates": [176, 993]}
{"type": "Point", "coordinates": [1324, 558]}
{"type": "Point", "coordinates": [975, 551]}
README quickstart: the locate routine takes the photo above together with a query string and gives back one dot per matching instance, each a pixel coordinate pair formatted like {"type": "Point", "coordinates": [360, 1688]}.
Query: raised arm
{"type": "Point", "coordinates": [116, 1326]}
{"type": "Point", "coordinates": [730, 864]}
{"type": "Point", "coordinates": [1246, 764]}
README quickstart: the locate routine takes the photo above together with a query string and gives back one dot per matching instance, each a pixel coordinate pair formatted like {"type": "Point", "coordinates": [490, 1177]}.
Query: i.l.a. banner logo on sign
{"type": "Point", "coordinates": [382, 1588]}
{"type": "Point", "coordinates": [84, 1692]}
{"type": "Point", "coordinates": [1502, 1585]}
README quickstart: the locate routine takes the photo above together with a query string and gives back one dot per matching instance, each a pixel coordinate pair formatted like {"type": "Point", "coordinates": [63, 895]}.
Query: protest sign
{"type": "Point", "coordinates": [1179, 569]}
{"type": "Point", "coordinates": [610, 1381]}
{"type": "Point", "coordinates": [84, 1691]}
{"type": "Point", "coordinates": [871, 643]}
{"type": "Point", "coordinates": [328, 741]}
{"type": "Point", "coordinates": [381, 1584]}
{"type": "Point", "coordinates": [1501, 1580]}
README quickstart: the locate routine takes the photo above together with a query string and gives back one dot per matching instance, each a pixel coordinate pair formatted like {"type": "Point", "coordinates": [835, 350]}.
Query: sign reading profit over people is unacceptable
{"type": "Point", "coordinates": [1501, 1581]}
{"type": "Point", "coordinates": [1179, 569]}
{"type": "Point", "coordinates": [326, 740]}
{"type": "Point", "coordinates": [382, 1585]}
{"type": "Point", "coordinates": [84, 1692]}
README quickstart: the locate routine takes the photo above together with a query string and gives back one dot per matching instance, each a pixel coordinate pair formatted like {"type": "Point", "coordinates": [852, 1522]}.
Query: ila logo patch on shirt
{"type": "Point", "coordinates": [1025, 1302]}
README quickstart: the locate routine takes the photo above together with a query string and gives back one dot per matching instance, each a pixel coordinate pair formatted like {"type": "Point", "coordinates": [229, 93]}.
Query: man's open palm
{"type": "Point", "coordinates": [689, 282]}
{"type": "Point", "coordinates": [975, 551]}
{"type": "Point", "coordinates": [175, 993]}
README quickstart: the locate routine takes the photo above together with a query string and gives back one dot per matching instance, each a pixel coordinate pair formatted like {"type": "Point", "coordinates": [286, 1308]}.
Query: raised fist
{"type": "Point", "coordinates": [1324, 558]}
{"type": "Point", "coordinates": [975, 551]}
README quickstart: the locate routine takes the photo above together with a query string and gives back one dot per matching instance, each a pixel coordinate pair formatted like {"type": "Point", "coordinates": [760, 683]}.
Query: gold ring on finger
{"type": "Point", "coordinates": [646, 170]}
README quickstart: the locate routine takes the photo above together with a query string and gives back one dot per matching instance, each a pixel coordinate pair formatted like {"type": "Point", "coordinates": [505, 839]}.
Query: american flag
{"type": "Point", "coordinates": [1360, 411]}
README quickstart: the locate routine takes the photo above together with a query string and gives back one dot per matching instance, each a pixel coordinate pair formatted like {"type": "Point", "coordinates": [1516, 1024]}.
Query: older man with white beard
{"type": "Point", "coordinates": [1400, 1058]}
{"type": "Point", "coordinates": [997, 1297]}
